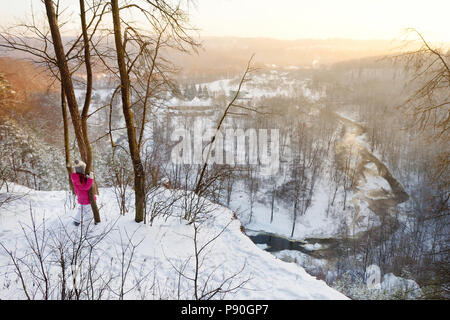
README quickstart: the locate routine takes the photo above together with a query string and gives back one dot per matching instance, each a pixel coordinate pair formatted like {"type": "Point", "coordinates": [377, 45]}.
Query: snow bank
{"type": "Point", "coordinates": [164, 246]}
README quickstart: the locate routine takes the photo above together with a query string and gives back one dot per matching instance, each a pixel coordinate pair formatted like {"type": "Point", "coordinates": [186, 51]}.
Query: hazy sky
{"type": "Point", "coordinates": [294, 19]}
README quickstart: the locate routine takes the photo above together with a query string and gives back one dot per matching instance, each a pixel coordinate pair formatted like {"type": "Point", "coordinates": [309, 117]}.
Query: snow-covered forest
{"type": "Point", "coordinates": [218, 174]}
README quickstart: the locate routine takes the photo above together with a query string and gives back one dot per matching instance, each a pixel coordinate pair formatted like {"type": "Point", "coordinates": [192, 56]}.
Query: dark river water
{"type": "Point", "coordinates": [275, 243]}
{"type": "Point", "coordinates": [329, 248]}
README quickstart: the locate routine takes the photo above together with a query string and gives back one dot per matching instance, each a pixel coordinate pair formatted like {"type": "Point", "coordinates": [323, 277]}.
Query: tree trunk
{"type": "Point", "coordinates": [66, 79]}
{"type": "Point", "coordinates": [85, 112]}
{"type": "Point", "coordinates": [139, 174]}
{"type": "Point", "coordinates": [295, 218]}
{"type": "Point", "coordinates": [272, 204]}
{"type": "Point", "coordinates": [66, 82]}
{"type": "Point", "coordinates": [66, 137]}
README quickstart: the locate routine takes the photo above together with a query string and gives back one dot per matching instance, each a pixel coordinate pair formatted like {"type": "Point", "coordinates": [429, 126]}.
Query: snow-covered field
{"type": "Point", "coordinates": [269, 84]}
{"type": "Point", "coordinates": [162, 248]}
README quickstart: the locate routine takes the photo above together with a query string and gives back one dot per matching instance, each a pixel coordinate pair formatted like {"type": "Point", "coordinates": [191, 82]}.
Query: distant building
{"type": "Point", "coordinates": [195, 107]}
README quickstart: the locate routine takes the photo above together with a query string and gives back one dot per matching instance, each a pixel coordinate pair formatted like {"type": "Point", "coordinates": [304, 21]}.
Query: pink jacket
{"type": "Point", "coordinates": [82, 190]}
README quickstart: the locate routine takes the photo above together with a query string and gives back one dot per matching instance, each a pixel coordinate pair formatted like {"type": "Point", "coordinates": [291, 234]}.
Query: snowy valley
{"type": "Point", "coordinates": [142, 161]}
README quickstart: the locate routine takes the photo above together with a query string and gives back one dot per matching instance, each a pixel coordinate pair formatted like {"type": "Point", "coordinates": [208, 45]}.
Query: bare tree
{"type": "Point", "coordinates": [139, 174]}
{"type": "Point", "coordinates": [430, 103]}
{"type": "Point", "coordinates": [34, 40]}
{"type": "Point", "coordinates": [205, 287]}
{"type": "Point", "coordinates": [57, 61]}
{"type": "Point", "coordinates": [165, 19]}
{"type": "Point", "coordinates": [229, 110]}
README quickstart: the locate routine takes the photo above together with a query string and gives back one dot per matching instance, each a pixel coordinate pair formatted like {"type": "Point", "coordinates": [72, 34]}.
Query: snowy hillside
{"type": "Point", "coordinates": [161, 255]}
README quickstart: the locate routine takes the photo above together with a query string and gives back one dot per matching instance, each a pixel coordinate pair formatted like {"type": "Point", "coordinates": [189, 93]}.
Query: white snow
{"type": "Point", "coordinates": [194, 102]}
{"type": "Point", "coordinates": [269, 84]}
{"type": "Point", "coordinates": [165, 244]}
{"type": "Point", "coordinates": [376, 183]}
{"type": "Point", "coordinates": [315, 223]}
{"type": "Point", "coordinates": [392, 283]}
{"type": "Point", "coordinates": [300, 258]}
{"type": "Point", "coordinates": [315, 246]}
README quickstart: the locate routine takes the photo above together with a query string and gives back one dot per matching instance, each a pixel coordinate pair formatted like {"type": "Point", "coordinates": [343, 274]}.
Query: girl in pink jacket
{"type": "Point", "coordinates": [81, 184]}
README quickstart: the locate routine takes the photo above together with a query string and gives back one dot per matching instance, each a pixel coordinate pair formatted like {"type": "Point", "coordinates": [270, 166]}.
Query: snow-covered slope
{"type": "Point", "coordinates": [163, 247]}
